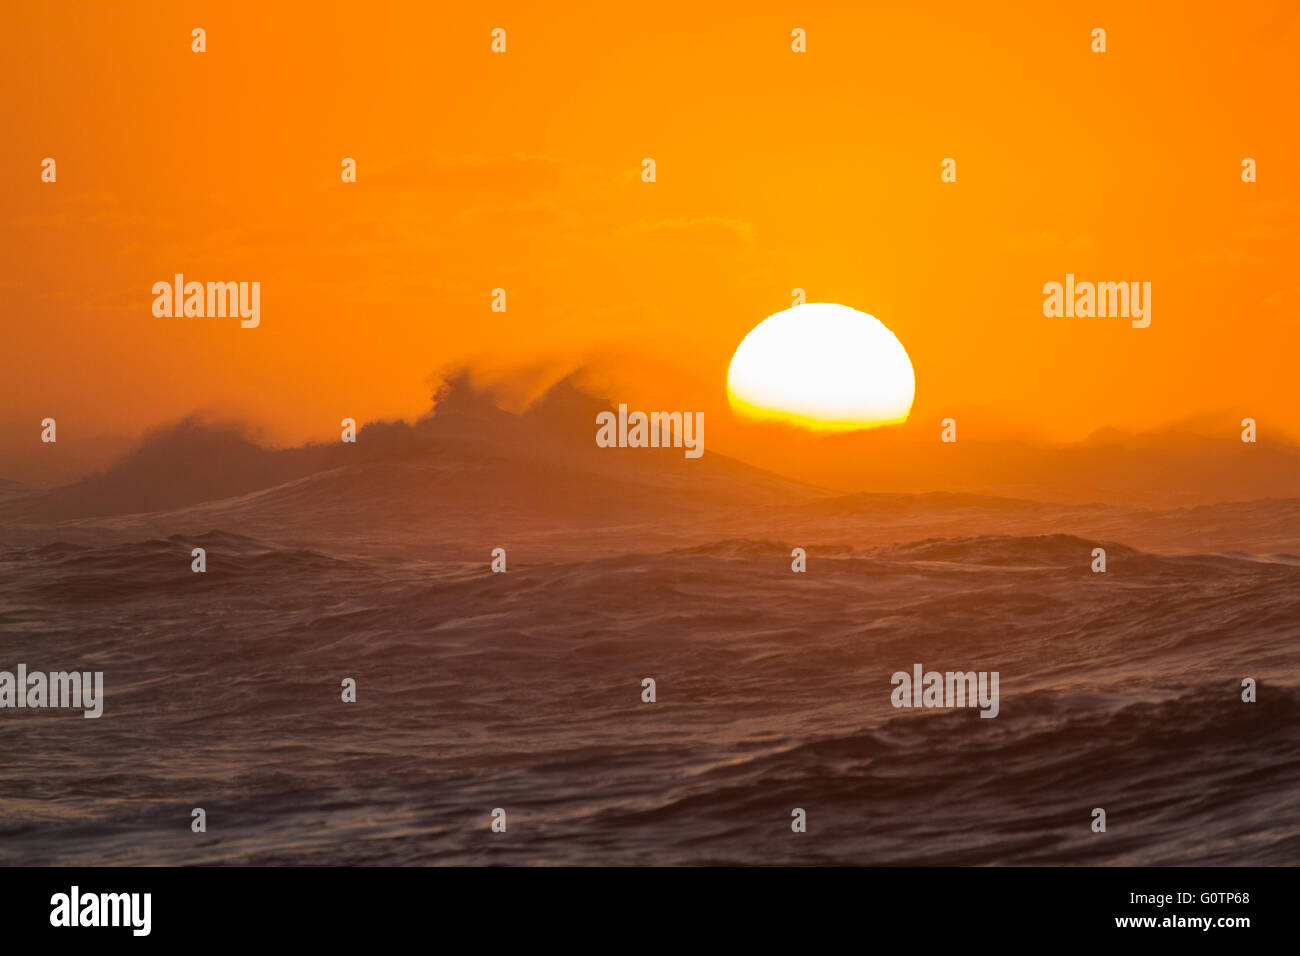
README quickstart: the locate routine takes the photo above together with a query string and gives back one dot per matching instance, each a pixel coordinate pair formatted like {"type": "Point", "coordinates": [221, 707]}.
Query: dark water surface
{"type": "Point", "coordinates": [523, 691]}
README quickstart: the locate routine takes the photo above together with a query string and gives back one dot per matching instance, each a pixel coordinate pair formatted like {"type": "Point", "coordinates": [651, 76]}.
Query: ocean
{"type": "Point", "coordinates": [522, 691]}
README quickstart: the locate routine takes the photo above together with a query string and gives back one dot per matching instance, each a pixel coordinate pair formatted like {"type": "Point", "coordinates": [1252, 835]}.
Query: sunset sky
{"type": "Point", "coordinates": [775, 170]}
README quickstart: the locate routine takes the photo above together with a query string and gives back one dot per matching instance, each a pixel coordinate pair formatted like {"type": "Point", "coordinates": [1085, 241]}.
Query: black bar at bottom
{"type": "Point", "coordinates": [653, 906]}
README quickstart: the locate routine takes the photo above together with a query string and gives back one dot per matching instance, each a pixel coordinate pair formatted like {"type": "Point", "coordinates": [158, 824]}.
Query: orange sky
{"type": "Point", "coordinates": [521, 170]}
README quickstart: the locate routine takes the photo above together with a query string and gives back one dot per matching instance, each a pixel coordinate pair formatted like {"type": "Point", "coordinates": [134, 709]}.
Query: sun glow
{"type": "Point", "coordinates": [823, 366]}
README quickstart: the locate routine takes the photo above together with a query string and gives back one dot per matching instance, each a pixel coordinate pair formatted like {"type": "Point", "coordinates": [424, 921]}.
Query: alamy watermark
{"type": "Point", "coordinates": [56, 689]}
{"type": "Point", "coordinates": [950, 689]}
{"type": "Point", "coordinates": [655, 430]}
{"type": "Point", "coordinates": [214, 300]}
{"type": "Point", "coordinates": [75, 908]}
{"type": "Point", "coordinates": [1100, 300]}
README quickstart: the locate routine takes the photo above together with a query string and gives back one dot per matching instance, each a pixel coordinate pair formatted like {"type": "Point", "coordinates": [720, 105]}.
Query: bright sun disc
{"type": "Point", "coordinates": [822, 366]}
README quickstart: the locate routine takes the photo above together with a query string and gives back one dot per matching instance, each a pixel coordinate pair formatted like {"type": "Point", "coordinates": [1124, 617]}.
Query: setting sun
{"type": "Point", "coordinates": [823, 366]}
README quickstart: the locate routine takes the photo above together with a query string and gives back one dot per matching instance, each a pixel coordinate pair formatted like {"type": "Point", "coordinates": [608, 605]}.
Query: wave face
{"type": "Point", "coordinates": [523, 691]}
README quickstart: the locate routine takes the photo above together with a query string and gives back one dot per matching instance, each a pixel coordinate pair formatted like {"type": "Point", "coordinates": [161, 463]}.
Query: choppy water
{"type": "Point", "coordinates": [523, 691]}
